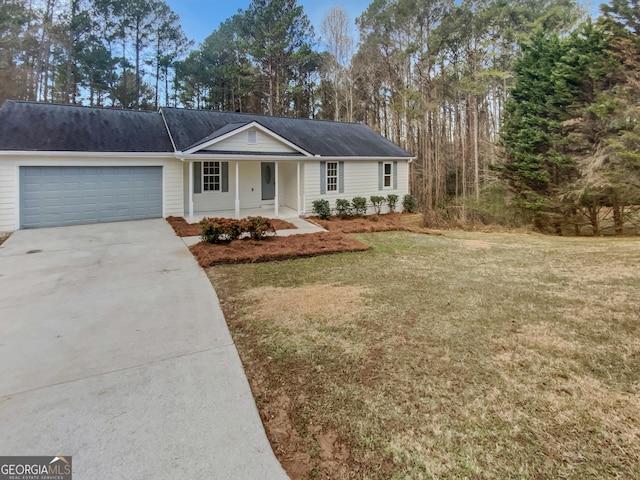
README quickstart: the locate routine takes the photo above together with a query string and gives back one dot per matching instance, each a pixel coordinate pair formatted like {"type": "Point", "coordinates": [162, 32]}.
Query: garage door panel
{"type": "Point", "coordinates": [51, 196]}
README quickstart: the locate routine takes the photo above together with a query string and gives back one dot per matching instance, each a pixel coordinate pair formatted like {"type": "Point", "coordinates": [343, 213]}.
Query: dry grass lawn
{"type": "Point", "coordinates": [465, 356]}
{"type": "Point", "coordinates": [4, 236]}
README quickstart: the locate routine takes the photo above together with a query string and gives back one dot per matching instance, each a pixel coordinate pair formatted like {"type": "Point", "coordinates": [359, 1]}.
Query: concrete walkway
{"type": "Point", "coordinates": [114, 350]}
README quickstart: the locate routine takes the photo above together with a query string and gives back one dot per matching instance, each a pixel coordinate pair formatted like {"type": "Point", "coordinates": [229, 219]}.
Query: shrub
{"type": "Point", "coordinates": [409, 203]}
{"type": "Point", "coordinates": [322, 209]}
{"type": "Point", "coordinates": [377, 202]}
{"type": "Point", "coordinates": [343, 208]}
{"type": "Point", "coordinates": [359, 206]}
{"type": "Point", "coordinates": [233, 229]}
{"type": "Point", "coordinates": [392, 201]}
{"type": "Point", "coordinates": [258, 227]}
{"type": "Point", "coordinates": [211, 230]}
{"type": "Point", "coordinates": [216, 230]}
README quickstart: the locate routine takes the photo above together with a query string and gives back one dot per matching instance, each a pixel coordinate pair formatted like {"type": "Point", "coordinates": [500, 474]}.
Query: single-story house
{"type": "Point", "coordinates": [67, 164]}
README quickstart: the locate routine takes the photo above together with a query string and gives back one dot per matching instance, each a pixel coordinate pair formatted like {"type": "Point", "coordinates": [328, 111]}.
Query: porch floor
{"type": "Point", "coordinates": [284, 213]}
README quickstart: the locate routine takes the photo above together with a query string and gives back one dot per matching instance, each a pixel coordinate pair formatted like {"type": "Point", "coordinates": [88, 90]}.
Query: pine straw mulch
{"type": "Point", "coordinates": [336, 240]}
{"type": "Point", "coordinates": [389, 222]}
{"type": "Point", "coordinates": [275, 248]}
{"type": "Point", "coordinates": [185, 229]}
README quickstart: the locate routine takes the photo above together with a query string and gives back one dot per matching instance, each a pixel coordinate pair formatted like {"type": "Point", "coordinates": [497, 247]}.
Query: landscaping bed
{"type": "Point", "coordinates": [336, 240]}
{"type": "Point", "coordinates": [390, 222]}
{"type": "Point", "coordinates": [186, 229]}
{"type": "Point", "coordinates": [275, 248]}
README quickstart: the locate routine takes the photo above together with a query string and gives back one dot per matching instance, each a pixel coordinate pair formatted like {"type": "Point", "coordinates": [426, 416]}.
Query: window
{"type": "Point", "coordinates": [211, 176]}
{"type": "Point", "coordinates": [332, 176]}
{"type": "Point", "coordinates": [252, 137]}
{"type": "Point", "coordinates": [387, 175]}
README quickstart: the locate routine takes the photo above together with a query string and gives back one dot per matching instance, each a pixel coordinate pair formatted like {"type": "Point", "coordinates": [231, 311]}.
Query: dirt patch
{"type": "Point", "coordinates": [390, 222]}
{"type": "Point", "coordinates": [290, 447]}
{"type": "Point", "coordinates": [186, 229]}
{"type": "Point", "coordinates": [275, 248]}
{"type": "Point", "coordinates": [290, 307]}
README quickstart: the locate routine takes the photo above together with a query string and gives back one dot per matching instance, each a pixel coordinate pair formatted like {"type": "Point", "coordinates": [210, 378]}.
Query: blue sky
{"type": "Point", "coordinates": [201, 17]}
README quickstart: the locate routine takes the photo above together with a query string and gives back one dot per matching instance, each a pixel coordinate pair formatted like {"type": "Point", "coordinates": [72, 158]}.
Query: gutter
{"type": "Point", "coordinates": [67, 154]}
{"type": "Point", "coordinates": [243, 157]}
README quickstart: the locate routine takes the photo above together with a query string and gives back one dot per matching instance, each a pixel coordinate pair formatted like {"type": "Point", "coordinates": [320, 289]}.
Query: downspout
{"type": "Point", "coordinates": [275, 211]}
{"type": "Point", "coordinates": [237, 189]}
{"type": "Point", "coordinates": [190, 192]}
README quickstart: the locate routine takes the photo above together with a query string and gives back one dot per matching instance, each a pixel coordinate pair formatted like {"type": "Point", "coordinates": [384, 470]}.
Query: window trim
{"type": "Point", "coordinates": [385, 176]}
{"type": "Point", "coordinates": [332, 187]}
{"type": "Point", "coordinates": [206, 184]}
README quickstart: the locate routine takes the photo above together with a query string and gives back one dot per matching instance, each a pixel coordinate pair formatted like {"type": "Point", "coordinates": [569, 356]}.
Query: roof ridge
{"type": "Point", "coordinates": [88, 107]}
{"type": "Point", "coordinates": [263, 115]}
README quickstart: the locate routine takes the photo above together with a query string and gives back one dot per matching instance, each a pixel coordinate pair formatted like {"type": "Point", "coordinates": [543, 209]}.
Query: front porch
{"type": "Point", "coordinates": [284, 213]}
{"type": "Point", "coordinates": [243, 187]}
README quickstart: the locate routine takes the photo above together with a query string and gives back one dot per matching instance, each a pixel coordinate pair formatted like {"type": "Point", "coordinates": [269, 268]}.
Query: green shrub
{"type": "Point", "coordinates": [322, 209]}
{"type": "Point", "coordinates": [359, 206]}
{"type": "Point", "coordinates": [377, 202]}
{"type": "Point", "coordinates": [343, 208]}
{"type": "Point", "coordinates": [409, 203]}
{"type": "Point", "coordinates": [392, 201]}
{"type": "Point", "coordinates": [258, 227]}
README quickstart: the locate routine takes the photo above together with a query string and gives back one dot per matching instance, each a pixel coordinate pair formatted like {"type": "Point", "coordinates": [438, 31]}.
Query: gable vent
{"type": "Point", "coordinates": [252, 137]}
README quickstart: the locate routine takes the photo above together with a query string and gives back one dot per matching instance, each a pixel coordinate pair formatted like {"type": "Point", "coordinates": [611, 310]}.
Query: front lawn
{"type": "Point", "coordinates": [463, 356]}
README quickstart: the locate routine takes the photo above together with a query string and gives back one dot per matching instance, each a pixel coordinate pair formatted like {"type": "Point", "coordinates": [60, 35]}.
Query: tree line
{"type": "Point", "coordinates": [572, 125]}
{"type": "Point", "coordinates": [95, 52]}
{"type": "Point", "coordinates": [515, 110]}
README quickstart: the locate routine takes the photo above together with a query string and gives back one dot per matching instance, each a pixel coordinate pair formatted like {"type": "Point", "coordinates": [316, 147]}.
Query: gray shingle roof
{"type": "Point", "coordinates": [33, 126]}
{"type": "Point", "coordinates": [318, 137]}
{"type": "Point", "coordinates": [36, 126]}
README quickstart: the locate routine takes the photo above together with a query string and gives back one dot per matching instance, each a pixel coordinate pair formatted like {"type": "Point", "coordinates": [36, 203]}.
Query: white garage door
{"type": "Point", "coordinates": [52, 196]}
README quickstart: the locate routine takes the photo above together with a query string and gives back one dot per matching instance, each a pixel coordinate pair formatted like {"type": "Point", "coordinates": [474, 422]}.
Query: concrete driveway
{"type": "Point", "coordinates": [113, 349]}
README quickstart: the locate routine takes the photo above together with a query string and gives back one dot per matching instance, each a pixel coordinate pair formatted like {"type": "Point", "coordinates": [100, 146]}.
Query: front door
{"type": "Point", "coordinates": [268, 180]}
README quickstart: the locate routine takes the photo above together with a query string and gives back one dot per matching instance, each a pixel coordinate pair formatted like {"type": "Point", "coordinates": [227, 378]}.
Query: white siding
{"type": "Point", "coordinates": [239, 143]}
{"type": "Point", "coordinates": [250, 191]}
{"type": "Point", "coordinates": [172, 196]}
{"type": "Point", "coordinates": [8, 196]}
{"type": "Point", "coordinates": [360, 180]}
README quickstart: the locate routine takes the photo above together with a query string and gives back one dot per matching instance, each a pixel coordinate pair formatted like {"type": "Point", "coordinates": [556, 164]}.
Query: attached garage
{"type": "Point", "coordinates": [54, 196]}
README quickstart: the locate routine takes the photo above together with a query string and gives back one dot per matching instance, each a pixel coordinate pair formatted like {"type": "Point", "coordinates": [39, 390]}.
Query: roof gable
{"type": "Point", "coordinates": [237, 137]}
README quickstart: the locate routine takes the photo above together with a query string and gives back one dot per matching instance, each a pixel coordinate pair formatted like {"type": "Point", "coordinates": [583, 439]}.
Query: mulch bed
{"type": "Point", "coordinates": [336, 240]}
{"type": "Point", "coordinates": [275, 248]}
{"type": "Point", "coordinates": [390, 222]}
{"type": "Point", "coordinates": [186, 229]}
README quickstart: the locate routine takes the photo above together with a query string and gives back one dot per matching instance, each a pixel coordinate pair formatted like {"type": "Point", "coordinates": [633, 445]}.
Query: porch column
{"type": "Point", "coordinates": [190, 192]}
{"type": "Point", "coordinates": [275, 210]}
{"type": "Point", "coordinates": [237, 189]}
{"type": "Point", "coordinates": [298, 185]}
